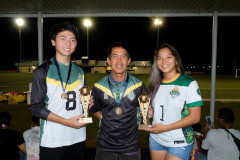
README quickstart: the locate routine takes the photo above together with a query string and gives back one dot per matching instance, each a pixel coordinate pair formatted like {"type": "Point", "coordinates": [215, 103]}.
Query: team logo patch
{"type": "Point", "coordinates": [175, 92]}
{"type": "Point", "coordinates": [105, 96]}
{"type": "Point", "coordinates": [131, 95]}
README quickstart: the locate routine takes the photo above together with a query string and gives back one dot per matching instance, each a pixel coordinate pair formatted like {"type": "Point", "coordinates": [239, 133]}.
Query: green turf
{"type": "Point", "coordinates": [226, 85]}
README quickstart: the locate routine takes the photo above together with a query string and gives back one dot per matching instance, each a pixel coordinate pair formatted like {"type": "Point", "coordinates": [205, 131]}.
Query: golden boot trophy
{"type": "Point", "coordinates": [144, 102]}
{"type": "Point", "coordinates": [85, 94]}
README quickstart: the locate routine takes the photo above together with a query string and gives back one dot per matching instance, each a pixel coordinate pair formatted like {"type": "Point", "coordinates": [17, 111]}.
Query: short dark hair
{"type": "Point", "coordinates": [118, 44]}
{"type": "Point", "coordinates": [5, 118]}
{"type": "Point", "coordinates": [63, 26]}
{"type": "Point", "coordinates": [227, 115]}
{"type": "Point", "coordinates": [35, 119]}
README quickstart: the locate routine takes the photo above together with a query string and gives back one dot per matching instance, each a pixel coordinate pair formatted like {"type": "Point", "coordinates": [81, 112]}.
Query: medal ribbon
{"type": "Point", "coordinates": [125, 88]}
{"type": "Point", "coordinates": [59, 73]}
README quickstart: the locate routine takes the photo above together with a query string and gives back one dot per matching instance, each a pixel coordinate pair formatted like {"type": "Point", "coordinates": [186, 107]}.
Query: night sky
{"type": "Point", "coordinates": [192, 36]}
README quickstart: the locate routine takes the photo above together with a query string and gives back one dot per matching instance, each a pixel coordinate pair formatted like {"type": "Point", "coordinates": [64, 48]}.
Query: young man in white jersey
{"type": "Point", "coordinates": [55, 98]}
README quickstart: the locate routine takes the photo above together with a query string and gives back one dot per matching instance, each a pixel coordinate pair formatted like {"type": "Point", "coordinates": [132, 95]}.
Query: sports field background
{"type": "Point", "coordinates": [227, 89]}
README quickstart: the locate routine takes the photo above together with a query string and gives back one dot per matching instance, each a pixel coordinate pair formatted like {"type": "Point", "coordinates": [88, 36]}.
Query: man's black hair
{"type": "Point", "coordinates": [5, 118]}
{"type": "Point", "coordinates": [63, 26]}
{"type": "Point", "coordinates": [118, 44]}
{"type": "Point", "coordinates": [227, 115]}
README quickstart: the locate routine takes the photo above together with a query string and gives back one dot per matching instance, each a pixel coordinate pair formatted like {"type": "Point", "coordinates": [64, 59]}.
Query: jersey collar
{"type": "Point", "coordinates": [169, 81]}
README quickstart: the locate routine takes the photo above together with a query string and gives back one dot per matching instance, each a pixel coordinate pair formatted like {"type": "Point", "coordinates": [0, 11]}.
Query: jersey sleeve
{"type": "Point", "coordinates": [194, 97]}
{"type": "Point", "coordinates": [38, 94]}
{"type": "Point", "coordinates": [96, 98]}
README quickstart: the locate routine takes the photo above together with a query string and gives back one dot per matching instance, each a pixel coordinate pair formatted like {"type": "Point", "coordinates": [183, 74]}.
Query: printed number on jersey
{"type": "Point", "coordinates": [71, 101]}
{"type": "Point", "coordinates": [161, 118]}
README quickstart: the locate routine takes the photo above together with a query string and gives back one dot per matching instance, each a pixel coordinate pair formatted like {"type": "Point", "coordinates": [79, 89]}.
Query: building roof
{"type": "Point", "coordinates": [104, 8]}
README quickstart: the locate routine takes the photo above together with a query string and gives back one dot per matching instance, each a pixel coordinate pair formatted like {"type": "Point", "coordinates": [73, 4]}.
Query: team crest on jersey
{"type": "Point", "coordinates": [105, 96]}
{"type": "Point", "coordinates": [175, 92]}
{"type": "Point", "coordinates": [131, 95]}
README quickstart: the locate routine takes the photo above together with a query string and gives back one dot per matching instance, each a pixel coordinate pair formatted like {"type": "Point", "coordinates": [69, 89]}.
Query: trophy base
{"type": "Point", "coordinates": [144, 126]}
{"type": "Point", "coordinates": [85, 120]}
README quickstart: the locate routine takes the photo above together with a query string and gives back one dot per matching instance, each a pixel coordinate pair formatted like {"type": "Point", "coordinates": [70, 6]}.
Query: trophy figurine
{"type": "Point", "coordinates": [85, 94]}
{"type": "Point", "coordinates": [144, 102]}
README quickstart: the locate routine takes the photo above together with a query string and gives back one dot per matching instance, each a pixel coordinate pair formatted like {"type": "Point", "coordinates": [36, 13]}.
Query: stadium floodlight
{"type": "Point", "coordinates": [87, 23]}
{"type": "Point", "coordinates": [20, 23]}
{"type": "Point", "coordinates": [158, 22]}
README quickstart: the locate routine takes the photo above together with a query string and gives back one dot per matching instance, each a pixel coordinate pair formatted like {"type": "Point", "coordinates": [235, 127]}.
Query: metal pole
{"type": "Point", "coordinates": [87, 44]}
{"type": "Point", "coordinates": [20, 43]}
{"type": "Point", "coordinates": [40, 38]}
{"type": "Point", "coordinates": [214, 60]}
{"type": "Point", "coordinates": [158, 36]}
{"type": "Point", "coordinates": [20, 47]}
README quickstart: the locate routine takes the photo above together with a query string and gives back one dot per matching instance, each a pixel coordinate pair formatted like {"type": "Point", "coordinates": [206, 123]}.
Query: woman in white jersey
{"type": "Point", "coordinates": [176, 105]}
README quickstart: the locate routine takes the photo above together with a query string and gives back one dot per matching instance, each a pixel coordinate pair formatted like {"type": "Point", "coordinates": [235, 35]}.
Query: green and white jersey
{"type": "Point", "coordinates": [171, 104]}
{"type": "Point", "coordinates": [54, 134]}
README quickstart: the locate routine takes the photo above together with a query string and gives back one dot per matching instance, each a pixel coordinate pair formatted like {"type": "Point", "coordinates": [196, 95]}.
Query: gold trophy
{"type": "Point", "coordinates": [85, 94]}
{"type": "Point", "coordinates": [144, 102]}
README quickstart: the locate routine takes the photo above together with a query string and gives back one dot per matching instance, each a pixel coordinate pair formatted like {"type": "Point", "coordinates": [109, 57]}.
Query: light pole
{"type": "Point", "coordinates": [20, 23]}
{"type": "Point", "coordinates": [158, 22]}
{"type": "Point", "coordinates": [87, 23]}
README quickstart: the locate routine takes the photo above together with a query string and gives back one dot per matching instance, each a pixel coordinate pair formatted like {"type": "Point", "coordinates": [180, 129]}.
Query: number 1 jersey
{"type": "Point", "coordinates": [171, 104]}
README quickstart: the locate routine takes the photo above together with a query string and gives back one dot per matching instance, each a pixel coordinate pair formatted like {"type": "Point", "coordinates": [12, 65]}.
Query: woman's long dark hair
{"type": "Point", "coordinates": [156, 76]}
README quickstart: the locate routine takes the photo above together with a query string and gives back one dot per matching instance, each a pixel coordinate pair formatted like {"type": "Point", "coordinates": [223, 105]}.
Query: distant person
{"type": "Point", "coordinates": [116, 106]}
{"type": "Point", "coordinates": [218, 142]}
{"type": "Point", "coordinates": [197, 152]}
{"type": "Point", "coordinates": [11, 142]}
{"type": "Point", "coordinates": [55, 98]}
{"type": "Point", "coordinates": [177, 102]}
{"type": "Point", "coordinates": [32, 138]}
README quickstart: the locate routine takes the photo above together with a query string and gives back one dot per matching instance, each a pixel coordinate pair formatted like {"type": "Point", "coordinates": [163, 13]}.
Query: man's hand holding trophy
{"type": "Point", "coordinates": [144, 102]}
{"type": "Point", "coordinates": [85, 94]}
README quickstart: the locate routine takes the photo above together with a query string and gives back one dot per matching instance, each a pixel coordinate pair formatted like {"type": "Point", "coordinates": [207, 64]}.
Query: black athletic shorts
{"type": "Point", "coordinates": [103, 155]}
{"type": "Point", "coordinates": [72, 152]}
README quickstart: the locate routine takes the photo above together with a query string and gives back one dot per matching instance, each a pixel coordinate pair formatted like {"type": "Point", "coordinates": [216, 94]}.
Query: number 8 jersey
{"type": "Point", "coordinates": [171, 104]}
{"type": "Point", "coordinates": [46, 96]}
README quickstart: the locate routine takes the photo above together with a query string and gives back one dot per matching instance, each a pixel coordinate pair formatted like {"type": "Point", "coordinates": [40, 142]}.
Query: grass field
{"type": "Point", "coordinates": [18, 82]}
{"type": "Point", "coordinates": [226, 85]}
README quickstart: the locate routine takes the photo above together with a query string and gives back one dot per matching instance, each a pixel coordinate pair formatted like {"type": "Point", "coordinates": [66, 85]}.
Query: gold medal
{"type": "Point", "coordinates": [64, 95]}
{"type": "Point", "coordinates": [118, 110]}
